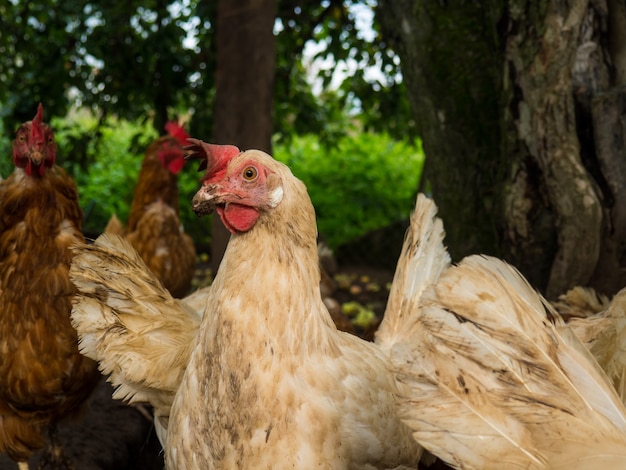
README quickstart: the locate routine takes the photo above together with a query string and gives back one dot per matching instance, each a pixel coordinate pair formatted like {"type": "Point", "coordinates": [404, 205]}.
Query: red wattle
{"type": "Point", "coordinates": [238, 218]}
{"type": "Point", "coordinates": [176, 165]}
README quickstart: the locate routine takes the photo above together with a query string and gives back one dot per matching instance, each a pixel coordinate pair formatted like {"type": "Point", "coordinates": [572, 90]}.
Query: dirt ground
{"type": "Point", "coordinates": [108, 436]}
{"type": "Point", "coordinates": [362, 293]}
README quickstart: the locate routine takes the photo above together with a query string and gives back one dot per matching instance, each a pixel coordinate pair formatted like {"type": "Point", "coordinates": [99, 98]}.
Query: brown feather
{"type": "Point", "coordinates": [154, 228]}
{"type": "Point", "coordinates": [44, 378]}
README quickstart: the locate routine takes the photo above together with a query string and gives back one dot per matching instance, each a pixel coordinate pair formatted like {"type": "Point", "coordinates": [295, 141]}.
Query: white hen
{"type": "Point", "coordinates": [473, 360]}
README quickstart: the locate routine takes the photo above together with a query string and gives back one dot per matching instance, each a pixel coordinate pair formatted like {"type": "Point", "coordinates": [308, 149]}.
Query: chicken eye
{"type": "Point", "coordinates": [21, 138]}
{"type": "Point", "coordinates": [50, 139]}
{"type": "Point", "coordinates": [250, 173]}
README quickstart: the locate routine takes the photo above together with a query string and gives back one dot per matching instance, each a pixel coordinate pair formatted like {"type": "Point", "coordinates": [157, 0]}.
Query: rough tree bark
{"type": "Point", "coordinates": [535, 173]}
{"type": "Point", "coordinates": [245, 64]}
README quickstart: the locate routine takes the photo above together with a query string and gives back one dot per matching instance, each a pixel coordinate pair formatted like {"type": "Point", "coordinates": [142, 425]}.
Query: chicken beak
{"type": "Point", "coordinates": [36, 157]}
{"type": "Point", "coordinates": [203, 203]}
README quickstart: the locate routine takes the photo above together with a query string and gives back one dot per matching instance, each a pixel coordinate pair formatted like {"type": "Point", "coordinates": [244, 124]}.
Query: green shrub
{"type": "Point", "coordinates": [365, 182]}
{"type": "Point", "coordinates": [107, 182]}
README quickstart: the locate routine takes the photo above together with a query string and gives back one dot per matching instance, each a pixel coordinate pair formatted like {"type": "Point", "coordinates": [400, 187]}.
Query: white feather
{"type": "Point", "coordinates": [129, 323]}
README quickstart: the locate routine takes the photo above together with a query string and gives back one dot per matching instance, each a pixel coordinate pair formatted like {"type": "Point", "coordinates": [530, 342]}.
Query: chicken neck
{"type": "Point", "coordinates": [269, 281]}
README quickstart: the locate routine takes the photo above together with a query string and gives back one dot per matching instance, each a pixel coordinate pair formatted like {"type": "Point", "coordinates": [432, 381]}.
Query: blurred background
{"type": "Point", "coordinates": [508, 113]}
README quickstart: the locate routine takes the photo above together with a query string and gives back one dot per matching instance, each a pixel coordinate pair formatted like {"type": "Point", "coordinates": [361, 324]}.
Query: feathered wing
{"type": "Point", "coordinates": [130, 324]}
{"type": "Point", "coordinates": [497, 381]}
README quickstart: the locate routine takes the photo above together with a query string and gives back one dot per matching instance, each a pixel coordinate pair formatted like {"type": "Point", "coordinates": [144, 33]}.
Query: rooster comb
{"type": "Point", "coordinates": [214, 157]}
{"type": "Point", "coordinates": [177, 131]}
{"type": "Point", "coordinates": [37, 124]}
{"type": "Point", "coordinates": [38, 119]}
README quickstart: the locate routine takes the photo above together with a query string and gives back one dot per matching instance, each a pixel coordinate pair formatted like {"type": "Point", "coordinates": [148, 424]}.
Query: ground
{"type": "Point", "coordinates": [109, 436]}
{"type": "Point", "coordinates": [362, 293]}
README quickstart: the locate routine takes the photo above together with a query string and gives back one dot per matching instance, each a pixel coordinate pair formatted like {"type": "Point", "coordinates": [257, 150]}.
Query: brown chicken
{"type": "Point", "coordinates": [154, 228]}
{"type": "Point", "coordinates": [43, 376]}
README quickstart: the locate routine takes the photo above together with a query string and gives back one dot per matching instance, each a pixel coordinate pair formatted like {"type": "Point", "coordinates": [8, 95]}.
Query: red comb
{"type": "Point", "coordinates": [39, 116]}
{"type": "Point", "coordinates": [37, 124]}
{"type": "Point", "coordinates": [177, 131]}
{"type": "Point", "coordinates": [214, 157]}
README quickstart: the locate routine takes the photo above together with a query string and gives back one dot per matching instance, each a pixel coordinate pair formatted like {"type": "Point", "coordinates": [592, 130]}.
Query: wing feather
{"type": "Point", "coordinates": [489, 354]}
{"type": "Point", "coordinates": [127, 321]}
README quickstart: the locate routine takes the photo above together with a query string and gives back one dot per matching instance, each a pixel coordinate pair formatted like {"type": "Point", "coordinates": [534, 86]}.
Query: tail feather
{"type": "Point", "coordinates": [497, 381]}
{"type": "Point", "coordinates": [422, 260]}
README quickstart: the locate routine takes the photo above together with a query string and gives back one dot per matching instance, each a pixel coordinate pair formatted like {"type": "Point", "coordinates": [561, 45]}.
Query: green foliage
{"type": "Point", "coordinates": [380, 102]}
{"type": "Point", "coordinates": [6, 161]}
{"type": "Point", "coordinates": [115, 152]}
{"type": "Point", "coordinates": [37, 43]}
{"type": "Point", "coordinates": [365, 182]}
{"type": "Point", "coordinates": [148, 58]}
{"type": "Point", "coordinates": [124, 58]}
{"type": "Point", "coordinates": [106, 186]}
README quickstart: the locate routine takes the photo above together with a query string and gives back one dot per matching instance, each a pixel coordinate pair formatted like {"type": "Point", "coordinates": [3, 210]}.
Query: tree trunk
{"type": "Point", "coordinates": [452, 65]}
{"type": "Point", "coordinates": [522, 125]}
{"type": "Point", "coordinates": [245, 64]}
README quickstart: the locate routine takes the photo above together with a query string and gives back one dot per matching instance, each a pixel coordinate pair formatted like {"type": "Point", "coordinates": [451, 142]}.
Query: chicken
{"type": "Point", "coordinates": [44, 377]}
{"type": "Point", "coordinates": [270, 381]}
{"type": "Point", "coordinates": [601, 327]}
{"type": "Point", "coordinates": [154, 228]}
{"type": "Point", "coordinates": [287, 388]}
{"type": "Point", "coordinates": [580, 302]}
{"type": "Point", "coordinates": [462, 350]}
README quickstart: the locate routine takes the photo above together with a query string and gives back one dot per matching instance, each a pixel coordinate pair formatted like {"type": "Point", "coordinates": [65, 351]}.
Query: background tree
{"type": "Point", "coordinates": [380, 102]}
{"type": "Point", "coordinates": [519, 107]}
{"type": "Point", "coordinates": [128, 59]}
{"type": "Point", "coordinates": [244, 85]}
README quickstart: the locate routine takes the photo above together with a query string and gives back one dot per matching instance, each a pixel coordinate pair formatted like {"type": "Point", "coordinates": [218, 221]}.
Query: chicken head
{"type": "Point", "coordinates": [170, 148]}
{"type": "Point", "coordinates": [237, 185]}
{"type": "Point", "coordinates": [34, 148]}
